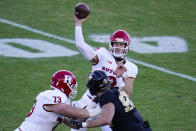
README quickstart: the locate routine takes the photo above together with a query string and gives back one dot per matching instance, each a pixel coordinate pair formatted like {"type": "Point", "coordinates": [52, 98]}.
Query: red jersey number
{"type": "Point", "coordinates": [57, 99]}
{"type": "Point", "coordinates": [112, 81]}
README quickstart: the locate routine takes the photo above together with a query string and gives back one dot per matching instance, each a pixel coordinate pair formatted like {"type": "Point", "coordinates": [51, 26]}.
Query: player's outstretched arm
{"type": "Point", "coordinates": [87, 51]}
{"type": "Point", "coordinates": [71, 111]}
{"type": "Point", "coordinates": [67, 110]}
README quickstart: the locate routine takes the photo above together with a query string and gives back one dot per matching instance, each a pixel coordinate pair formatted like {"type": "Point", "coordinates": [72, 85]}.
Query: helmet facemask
{"type": "Point", "coordinates": [73, 91]}
{"type": "Point", "coordinates": [117, 51]}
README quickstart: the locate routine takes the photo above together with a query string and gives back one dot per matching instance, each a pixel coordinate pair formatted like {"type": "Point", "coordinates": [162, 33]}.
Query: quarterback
{"type": "Point", "coordinates": [53, 106]}
{"type": "Point", "coordinates": [121, 72]}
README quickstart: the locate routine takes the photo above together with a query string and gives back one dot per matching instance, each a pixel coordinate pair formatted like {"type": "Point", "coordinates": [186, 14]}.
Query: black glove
{"type": "Point", "coordinates": [76, 123]}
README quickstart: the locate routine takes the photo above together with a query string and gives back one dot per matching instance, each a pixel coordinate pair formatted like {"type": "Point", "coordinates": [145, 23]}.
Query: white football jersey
{"type": "Point", "coordinates": [108, 64]}
{"type": "Point", "coordinates": [41, 120]}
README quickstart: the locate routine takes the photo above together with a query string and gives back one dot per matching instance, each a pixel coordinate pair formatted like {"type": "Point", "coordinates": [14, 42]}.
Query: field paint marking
{"type": "Point", "coordinates": [36, 31]}
{"type": "Point", "coordinates": [162, 44]}
{"type": "Point", "coordinates": [72, 41]}
{"type": "Point", "coordinates": [162, 69]}
{"type": "Point", "coordinates": [45, 48]}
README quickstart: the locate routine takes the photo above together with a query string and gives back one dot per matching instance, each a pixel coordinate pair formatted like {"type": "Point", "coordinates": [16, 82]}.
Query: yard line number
{"type": "Point", "coordinates": [47, 49]}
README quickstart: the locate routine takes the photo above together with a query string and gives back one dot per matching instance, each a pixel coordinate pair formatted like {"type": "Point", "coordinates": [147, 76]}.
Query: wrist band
{"type": "Point", "coordinates": [84, 124]}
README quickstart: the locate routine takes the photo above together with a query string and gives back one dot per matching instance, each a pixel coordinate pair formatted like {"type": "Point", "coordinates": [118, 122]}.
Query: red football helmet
{"type": "Point", "coordinates": [65, 81]}
{"type": "Point", "coordinates": [120, 36]}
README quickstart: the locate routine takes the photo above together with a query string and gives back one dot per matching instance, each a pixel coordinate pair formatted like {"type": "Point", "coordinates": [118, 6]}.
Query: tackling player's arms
{"type": "Point", "coordinates": [106, 117]}
{"type": "Point", "coordinates": [67, 110]}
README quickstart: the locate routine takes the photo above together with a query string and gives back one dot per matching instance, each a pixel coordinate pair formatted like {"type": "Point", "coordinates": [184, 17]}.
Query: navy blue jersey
{"type": "Point", "coordinates": [126, 117]}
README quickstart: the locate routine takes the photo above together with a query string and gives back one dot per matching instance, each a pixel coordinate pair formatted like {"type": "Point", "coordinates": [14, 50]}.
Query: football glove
{"type": "Point", "coordinates": [76, 123]}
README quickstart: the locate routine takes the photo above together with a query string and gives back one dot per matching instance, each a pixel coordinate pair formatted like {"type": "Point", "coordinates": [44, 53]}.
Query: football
{"type": "Point", "coordinates": [81, 10]}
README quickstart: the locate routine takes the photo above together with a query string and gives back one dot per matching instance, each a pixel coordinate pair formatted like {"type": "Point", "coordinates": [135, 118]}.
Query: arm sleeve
{"type": "Point", "coordinates": [87, 51]}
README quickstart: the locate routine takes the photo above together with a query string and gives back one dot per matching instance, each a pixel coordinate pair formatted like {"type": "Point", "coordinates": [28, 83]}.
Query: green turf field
{"type": "Point", "coordinates": [167, 101]}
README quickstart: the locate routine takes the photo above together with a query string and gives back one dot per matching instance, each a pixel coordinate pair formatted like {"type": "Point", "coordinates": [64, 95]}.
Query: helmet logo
{"type": "Point", "coordinates": [68, 79]}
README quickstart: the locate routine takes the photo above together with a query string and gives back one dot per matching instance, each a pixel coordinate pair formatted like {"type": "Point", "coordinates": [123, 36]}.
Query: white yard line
{"type": "Point", "coordinates": [36, 31]}
{"type": "Point", "coordinates": [162, 69]}
{"type": "Point", "coordinates": [72, 41]}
